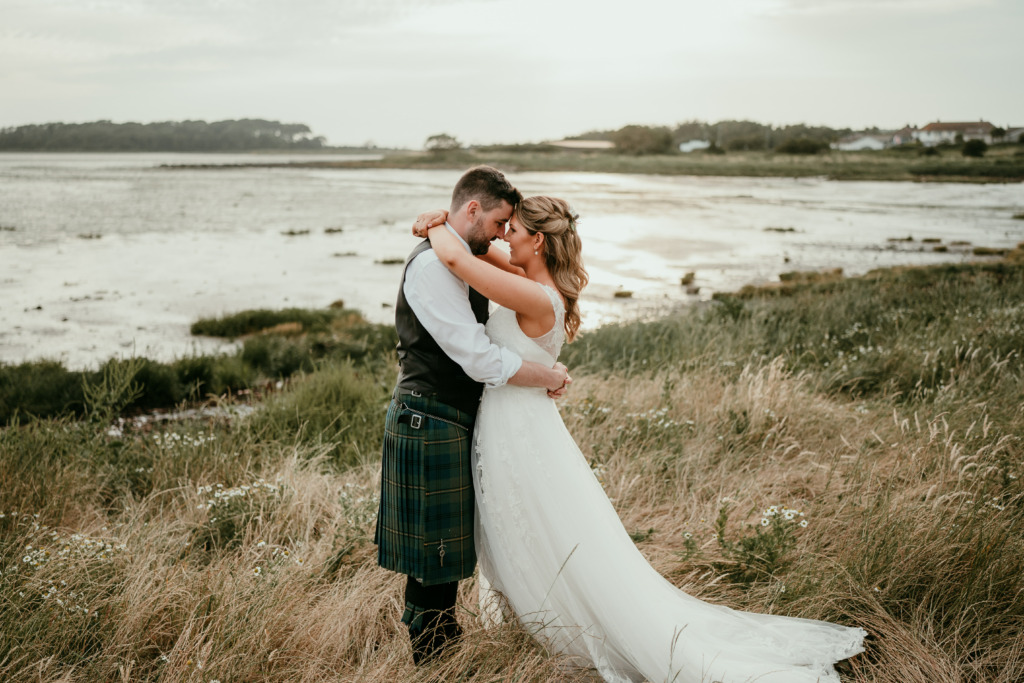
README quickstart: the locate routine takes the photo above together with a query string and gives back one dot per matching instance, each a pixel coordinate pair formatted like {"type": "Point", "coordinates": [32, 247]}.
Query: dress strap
{"type": "Point", "coordinates": [556, 302]}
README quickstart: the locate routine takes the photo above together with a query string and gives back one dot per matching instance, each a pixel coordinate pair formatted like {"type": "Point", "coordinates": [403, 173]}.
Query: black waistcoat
{"type": "Point", "coordinates": [425, 368]}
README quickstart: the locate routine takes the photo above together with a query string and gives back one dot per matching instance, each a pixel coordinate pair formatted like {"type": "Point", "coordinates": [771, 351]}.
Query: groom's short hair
{"type": "Point", "coordinates": [486, 185]}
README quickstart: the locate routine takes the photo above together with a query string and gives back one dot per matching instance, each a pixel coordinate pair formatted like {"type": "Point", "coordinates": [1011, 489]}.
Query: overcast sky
{"type": "Point", "coordinates": [396, 71]}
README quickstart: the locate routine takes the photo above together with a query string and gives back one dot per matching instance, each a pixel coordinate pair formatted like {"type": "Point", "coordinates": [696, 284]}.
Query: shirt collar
{"type": "Point", "coordinates": [452, 231]}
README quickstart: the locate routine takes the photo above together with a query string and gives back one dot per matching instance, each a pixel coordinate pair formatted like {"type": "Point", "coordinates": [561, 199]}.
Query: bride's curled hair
{"type": "Point", "coordinates": [562, 247]}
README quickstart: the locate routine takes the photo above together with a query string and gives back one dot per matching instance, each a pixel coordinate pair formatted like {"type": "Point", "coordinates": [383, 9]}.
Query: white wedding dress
{"type": "Point", "coordinates": [552, 548]}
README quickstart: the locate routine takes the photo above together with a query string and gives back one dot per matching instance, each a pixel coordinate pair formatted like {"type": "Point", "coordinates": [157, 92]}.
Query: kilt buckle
{"type": "Point", "coordinates": [414, 418]}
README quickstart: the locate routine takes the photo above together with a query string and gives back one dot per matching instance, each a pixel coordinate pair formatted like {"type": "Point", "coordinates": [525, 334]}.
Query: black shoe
{"type": "Point", "coordinates": [433, 634]}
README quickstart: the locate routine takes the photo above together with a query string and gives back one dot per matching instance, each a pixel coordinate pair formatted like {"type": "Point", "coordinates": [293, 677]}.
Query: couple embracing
{"type": "Point", "coordinates": [478, 468]}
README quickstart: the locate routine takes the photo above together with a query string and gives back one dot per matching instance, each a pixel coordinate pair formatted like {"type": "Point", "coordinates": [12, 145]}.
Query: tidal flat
{"type": "Point", "coordinates": [106, 254]}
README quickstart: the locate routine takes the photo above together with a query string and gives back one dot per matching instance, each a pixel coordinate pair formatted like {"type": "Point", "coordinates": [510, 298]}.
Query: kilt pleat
{"type": "Point", "coordinates": [425, 519]}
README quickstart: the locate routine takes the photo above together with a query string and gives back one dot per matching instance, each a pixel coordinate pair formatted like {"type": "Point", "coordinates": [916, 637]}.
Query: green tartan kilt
{"type": "Point", "coordinates": [425, 519]}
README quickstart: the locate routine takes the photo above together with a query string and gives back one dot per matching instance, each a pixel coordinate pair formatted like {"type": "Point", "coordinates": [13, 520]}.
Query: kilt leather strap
{"type": "Point", "coordinates": [414, 418]}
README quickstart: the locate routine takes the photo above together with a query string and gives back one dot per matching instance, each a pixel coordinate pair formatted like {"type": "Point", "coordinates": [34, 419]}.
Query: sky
{"type": "Point", "coordinates": [394, 72]}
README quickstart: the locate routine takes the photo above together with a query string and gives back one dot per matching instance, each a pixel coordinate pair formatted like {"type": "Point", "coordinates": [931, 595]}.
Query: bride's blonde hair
{"type": "Point", "coordinates": [562, 247]}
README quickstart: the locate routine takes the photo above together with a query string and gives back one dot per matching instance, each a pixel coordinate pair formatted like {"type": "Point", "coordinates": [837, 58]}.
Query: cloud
{"type": "Point", "coordinates": [505, 70]}
{"type": "Point", "coordinates": [872, 7]}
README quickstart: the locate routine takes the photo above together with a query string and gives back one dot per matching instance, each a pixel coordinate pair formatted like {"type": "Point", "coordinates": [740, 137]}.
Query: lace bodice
{"type": "Point", "coordinates": [503, 329]}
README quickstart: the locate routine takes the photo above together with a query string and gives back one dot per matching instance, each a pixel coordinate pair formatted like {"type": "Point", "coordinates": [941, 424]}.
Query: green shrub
{"type": "Point", "coordinates": [759, 553]}
{"type": "Point", "coordinates": [974, 148]}
{"type": "Point", "coordinates": [277, 357]}
{"type": "Point", "coordinates": [111, 390]}
{"type": "Point", "coordinates": [257, 320]}
{"type": "Point", "coordinates": [161, 386]}
{"type": "Point", "coordinates": [802, 146]}
{"type": "Point", "coordinates": [742, 144]}
{"type": "Point", "coordinates": [39, 389]}
{"type": "Point", "coordinates": [640, 140]}
{"type": "Point", "coordinates": [341, 407]}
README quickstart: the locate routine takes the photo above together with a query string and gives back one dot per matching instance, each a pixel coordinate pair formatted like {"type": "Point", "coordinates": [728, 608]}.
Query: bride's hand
{"type": "Point", "coordinates": [428, 220]}
{"type": "Point", "coordinates": [560, 391]}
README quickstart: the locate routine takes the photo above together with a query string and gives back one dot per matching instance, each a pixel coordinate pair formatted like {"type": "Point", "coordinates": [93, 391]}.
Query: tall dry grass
{"type": "Point", "coordinates": [240, 550]}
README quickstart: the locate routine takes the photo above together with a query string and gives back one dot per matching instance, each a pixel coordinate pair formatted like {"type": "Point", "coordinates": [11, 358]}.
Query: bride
{"type": "Point", "coordinates": [550, 546]}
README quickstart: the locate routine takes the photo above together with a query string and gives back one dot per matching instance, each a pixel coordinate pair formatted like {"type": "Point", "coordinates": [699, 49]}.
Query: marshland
{"type": "Point", "coordinates": [839, 448]}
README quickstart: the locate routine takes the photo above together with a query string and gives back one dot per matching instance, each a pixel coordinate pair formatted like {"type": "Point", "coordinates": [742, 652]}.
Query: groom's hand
{"type": "Point", "coordinates": [560, 391]}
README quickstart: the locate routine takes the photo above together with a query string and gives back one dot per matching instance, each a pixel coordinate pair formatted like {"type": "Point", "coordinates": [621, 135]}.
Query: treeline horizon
{"type": "Point", "coordinates": [729, 134]}
{"type": "Point", "coordinates": [163, 136]}
{"type": "Point", "coordinates": [265, 135]}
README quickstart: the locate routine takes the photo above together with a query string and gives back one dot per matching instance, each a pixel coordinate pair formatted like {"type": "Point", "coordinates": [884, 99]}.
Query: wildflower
{"type": "Point", "coordinates": [764, 521]}
{"type": "Point", "coordinates": [261, 544]}
{"type": "Point", "coordinates": [687, 535]}
{"type": "Point", "coordinates": [789, 514]}
{"type": "Point", "coordinates": [257, 571]}
{"type": "Point", "coordinates": [803, 522]}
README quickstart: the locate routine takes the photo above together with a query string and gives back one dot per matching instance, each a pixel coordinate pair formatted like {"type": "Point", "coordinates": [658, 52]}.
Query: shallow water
{"type": "Point", "coordinates": [114, 254]}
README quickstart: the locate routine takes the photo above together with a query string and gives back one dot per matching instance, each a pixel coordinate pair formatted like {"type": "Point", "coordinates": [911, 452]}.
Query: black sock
{"type": "Point", "coordinates": [430, 616]}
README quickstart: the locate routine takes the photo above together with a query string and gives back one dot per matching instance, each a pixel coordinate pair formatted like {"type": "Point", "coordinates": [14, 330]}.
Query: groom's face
{"type": "Point", "coordinates": [488, 226]}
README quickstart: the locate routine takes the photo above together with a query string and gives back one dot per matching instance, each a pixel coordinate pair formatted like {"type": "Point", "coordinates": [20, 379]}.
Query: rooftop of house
{"type": "Point", "coordinates": [981, 126]}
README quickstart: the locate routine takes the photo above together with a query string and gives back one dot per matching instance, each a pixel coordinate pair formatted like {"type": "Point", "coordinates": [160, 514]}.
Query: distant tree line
{"type": "Point", "coordinates": [165, 136]}
{"type": "Point", "coordinates": [723, 136]}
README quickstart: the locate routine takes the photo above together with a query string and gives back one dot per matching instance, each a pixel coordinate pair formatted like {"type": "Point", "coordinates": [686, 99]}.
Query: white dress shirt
{"type": "Point", "coordinates": [440, 301]}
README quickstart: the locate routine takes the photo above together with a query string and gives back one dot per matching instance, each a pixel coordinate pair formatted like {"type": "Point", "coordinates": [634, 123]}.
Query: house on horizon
{"type": "Point", "coordinates": [904, 135]}
{"type": "Point", "coordinates": [861, 141]}
{"type": "Point", "coordinates": [1014, 134]}
{"type": "Point", "coordinates": [938, 132]}
{"type": "Point", "coordinates": [693, 145]}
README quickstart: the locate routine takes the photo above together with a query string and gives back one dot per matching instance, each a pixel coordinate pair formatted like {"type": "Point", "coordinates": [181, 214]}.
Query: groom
{"type": "Point", "coordinates": [425, 520]}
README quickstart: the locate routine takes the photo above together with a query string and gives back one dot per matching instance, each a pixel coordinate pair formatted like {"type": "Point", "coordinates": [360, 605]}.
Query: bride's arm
{"type": "Point", "coordinates": [499, 259]}
{"type": "Point", "coordinates": [496, 257]}
{"type": "Point", "coordinates": [502, 287]}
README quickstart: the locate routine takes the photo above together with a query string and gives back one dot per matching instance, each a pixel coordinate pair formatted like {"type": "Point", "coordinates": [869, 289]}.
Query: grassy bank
{"type": "Point", "coordinates": [274, 345]}
{"type": "Point", "coordinates": [886, 409]}
{"type": "Point", "coordinates": [1001, 164]}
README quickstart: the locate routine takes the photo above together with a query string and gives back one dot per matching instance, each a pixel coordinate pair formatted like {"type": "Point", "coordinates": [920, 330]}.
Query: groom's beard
{"type": "Point", "coordinates": [476, 238]}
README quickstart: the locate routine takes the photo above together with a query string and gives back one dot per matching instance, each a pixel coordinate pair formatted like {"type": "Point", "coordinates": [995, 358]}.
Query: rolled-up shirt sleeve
{"type": "Point", "coordinates": [441, 303]}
